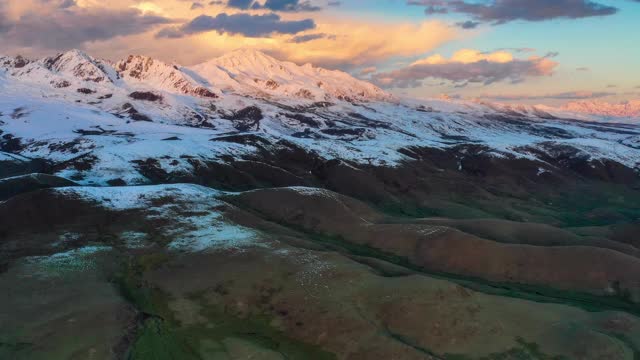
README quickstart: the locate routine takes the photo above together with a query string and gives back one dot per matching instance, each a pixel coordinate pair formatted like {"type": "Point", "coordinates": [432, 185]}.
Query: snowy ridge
{"type": "Point", "coordinates": [113, 125]}
{"type": "Point", "coordinates": [143, 70]}
{"type": "Point", "coordinates": [67, 70]}
{"type": "Point", "coordinates": [79, 65]}
{"type": "Point", "coordinates": [627, 109]}
{"type": "Point", "coordinates": [254, 71]}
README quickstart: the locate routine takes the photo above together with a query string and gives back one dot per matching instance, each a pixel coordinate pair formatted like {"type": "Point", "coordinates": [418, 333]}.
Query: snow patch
{"type": "Point", "coordinates": [60, 264]}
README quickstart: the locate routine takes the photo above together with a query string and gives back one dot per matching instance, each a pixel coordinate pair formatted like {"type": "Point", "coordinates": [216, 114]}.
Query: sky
{"type": "Point", "coordinates": [522, 51]}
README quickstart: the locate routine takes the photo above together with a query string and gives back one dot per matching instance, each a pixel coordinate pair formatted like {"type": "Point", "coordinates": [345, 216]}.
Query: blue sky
{"type": "Point", "coordinates": [604, 48]}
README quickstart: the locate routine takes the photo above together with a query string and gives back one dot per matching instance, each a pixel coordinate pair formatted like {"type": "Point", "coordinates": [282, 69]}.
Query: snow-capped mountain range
{"type": "Point", "coordinates": [627, 109]}
{"type": "Point", "coordinates": [72, 107]}
{"type": "Point", "coordinates": [245, 72]}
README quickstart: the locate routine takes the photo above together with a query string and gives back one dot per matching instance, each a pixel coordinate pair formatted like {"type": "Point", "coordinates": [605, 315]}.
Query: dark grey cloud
{"type": "Point", "coordinates": [244, 24]}
{"type": "Point", "coordinates": [65, 4]}
{"type": "Point", "coordinates": [71, 26]}
{"type": "Point", "coordinates": [468, 24]}
{"type": "Point", "coordinates": [287, 5]}
{"type": "Point", "coordinates": [310, 37]}
{"type": "Point", "coordinates": [503, 11]}
{"type": "Point", "coordinates": [275, 5]}
{"type": "Point", "coordinates": [462, 74]}
{"type": "Point", "coordinates": [240, 4]}
{"type": "Point", "coordinates": [196, 5]}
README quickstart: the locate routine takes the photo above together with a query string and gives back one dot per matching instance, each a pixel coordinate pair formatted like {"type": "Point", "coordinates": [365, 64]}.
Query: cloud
{"type": "Point", "coordinates": [468, 24]}
{"type": "Point", "coordinates": [287, 5]}
{"type": "Point", "coordinates": [583, 68]}
{"type": "Point", "coordinates": [69, 26]}
{"type": "Point", "coordinates": [241, 23]}
{"type": "Point", "coordinates": [468, 66]}
{"type": "Point", "coordinates": [329, 40]}
{"type": "Point", "coordinates": [354, 46]}
{"type": "Point", "coordinates": [503, 11]}
{"type": "Point", "coordinates": [311, 37]}
{"type": "Point", "coordinates": [240, 4]}
{"type": "Point", "coordinates": [368, 71]}
{"type": "Point", "coordinates": [274, 5]}
{"type": "Point", "coordinates": [570, 95]}
{"type": "Point", "coordinates": [348, 43]}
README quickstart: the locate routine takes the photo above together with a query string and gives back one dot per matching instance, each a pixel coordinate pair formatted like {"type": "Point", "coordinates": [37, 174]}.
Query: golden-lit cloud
{"type": "Point", "coordinates": [354, 43]}
{"type": "Point", "coordinates": [468, 56]}
{"type": "Point", "coordinates": [469, 66]}
{"type": "Point", "coordinates": [335, 41]}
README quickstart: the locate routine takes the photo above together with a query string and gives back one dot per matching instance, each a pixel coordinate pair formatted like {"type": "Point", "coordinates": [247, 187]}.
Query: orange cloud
{"type": "Point", "coordinates": [469, 66]}
{"type": "Point", "coordinates": [346, 42]}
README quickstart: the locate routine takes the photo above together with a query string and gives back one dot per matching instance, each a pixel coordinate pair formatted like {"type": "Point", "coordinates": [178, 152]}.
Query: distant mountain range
{"type": "Point", "coordinates": [72, 104]}
{"type": "Point", "coordinates": [246, 72]}
{"type": "Point", "coordinates": [627, 109]}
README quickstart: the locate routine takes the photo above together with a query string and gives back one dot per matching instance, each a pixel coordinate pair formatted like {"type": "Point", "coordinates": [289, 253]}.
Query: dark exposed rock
{"type": "Point", "coordinates": [271, 84]}
{"type": "Point", "coordinates": [246, 119]}
{"type": "Point", "coordinates": [116, 182]}
{"type": "Point", "coordinates": [248, 113]}
{"type": "Point", "coordinates": [97, 131]}
{"type": "Point", "coordinates": [19, 165]}
{"type": "Point", "coordinates": [72, 147]}
{"type": "Point", "coordinates": [11, 144]}
{"type": "Point", "coordinates": [145, 96]}
{"type": "Point", "coordinates": [20, 62]}
{"type": "Point", "coordinates": [25, 183]}
{"type": "Point", "coordinates": [204, 92]}
{"type": "Point", "coordinates": [86, 91]}
{"type": "Point", "coordinates": [245, 139]}
{"type": "Point", "coordinates": [152, 170]}
{"type": "Point", "coordinates": [19, 112]}
{"type": "Point", "coordinates": [344, 131]}
{"type": "Point", "coordinates": [426, 109]}
{"type": "Point", "coordinates": [321, 104]}
{"type": "Point", "coordinates": [61, 84]}
{"type": "Point", "coordinates": [134, 114]}
{"type": "Point", "coordinates": [84, 163]}
{"type": "Point", "coordinates": [303, 119]}
{"type": "Point", "coordinates": [305, 94]}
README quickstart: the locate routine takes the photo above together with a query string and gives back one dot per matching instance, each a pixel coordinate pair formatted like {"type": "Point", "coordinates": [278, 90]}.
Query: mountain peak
{"type": "Point", "coordinates": [77, 53]}
{"type": "Point", "coordinates": [247, 53]}
{"type": "Point", "coordinates": [80, 65]}
{"type": "Point", "coordinates": [248, 60]}
{"type": "Point", "coordinates": [250, 70]}
{"type": "Point", "coordinates": [139, 69]}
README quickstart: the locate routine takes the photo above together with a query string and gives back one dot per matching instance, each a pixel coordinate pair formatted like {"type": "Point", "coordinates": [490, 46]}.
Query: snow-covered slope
{"type": "Point", "coordinates": [627, 109]}
{"type": "Point", "coordinates": [251, 71]}
{"type": "Point", "coordinates": [109, 120]}
{"type": "Point", "coordinates": [61, 71]}
{"type": "Point", "coordinates": [143, 70]}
